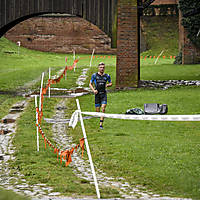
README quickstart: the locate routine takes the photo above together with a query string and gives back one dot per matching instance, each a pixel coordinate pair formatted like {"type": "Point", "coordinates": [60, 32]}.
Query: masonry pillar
{"type": "Point", "coordinates": [127, 72]}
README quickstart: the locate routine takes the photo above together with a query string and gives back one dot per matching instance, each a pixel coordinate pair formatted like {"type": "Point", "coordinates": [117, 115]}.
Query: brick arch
{"type": "Point", "coordinates": [53, 32]}
{"type": "Point", "coordinates": [102, 13]}
{"type": "Point", "coordinates": [13, 23]}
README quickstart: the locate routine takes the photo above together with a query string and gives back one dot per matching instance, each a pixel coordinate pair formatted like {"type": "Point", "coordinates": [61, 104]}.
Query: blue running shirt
{"type": "Point", "coordinates": [100, 82]}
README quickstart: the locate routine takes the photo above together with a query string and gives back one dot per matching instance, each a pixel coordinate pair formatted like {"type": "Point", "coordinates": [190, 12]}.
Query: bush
{"type": "Point", "coordinates": [191, 23]}
{"type": "Point", "coordinates": [178, 59]}
{"type": "Point", "coordinates": [163, 9]}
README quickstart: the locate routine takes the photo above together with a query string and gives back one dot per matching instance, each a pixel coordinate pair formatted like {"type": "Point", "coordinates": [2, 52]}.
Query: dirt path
{"type": "Point", "coordinates": [15, 181]}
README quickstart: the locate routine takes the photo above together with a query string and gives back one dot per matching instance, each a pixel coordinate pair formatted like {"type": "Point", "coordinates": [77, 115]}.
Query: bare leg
{"type": "Point", "coordinates": [97, 109]}
{"type": "Point", "coordinates": [103, 107]}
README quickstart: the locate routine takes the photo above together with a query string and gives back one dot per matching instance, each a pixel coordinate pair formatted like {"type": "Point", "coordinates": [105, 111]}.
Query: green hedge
{"type": "Point", "coordinates": [164, 9]}
{"type": "Point", "coordinates": [192, 23]}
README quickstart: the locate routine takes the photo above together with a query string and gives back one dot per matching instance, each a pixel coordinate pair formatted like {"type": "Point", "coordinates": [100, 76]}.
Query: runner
{"type": "Point", "coordinates": [100, 80]}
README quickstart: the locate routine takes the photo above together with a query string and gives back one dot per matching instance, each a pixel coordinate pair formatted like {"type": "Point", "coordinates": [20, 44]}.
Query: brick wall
{"type": "Point", "coordinates": [60, 34]}
{"type": "Point", "coordinates": [127, 44]}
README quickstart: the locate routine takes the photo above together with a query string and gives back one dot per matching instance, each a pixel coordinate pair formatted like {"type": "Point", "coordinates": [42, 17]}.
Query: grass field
{"type": "Point", "coordinates": [162, 156]}
{"type": "Point", "coordinates": [161, 33]}
{"type": "Point", "coordinates": [166, 70]}
{"type": "Point", "coordinates": [9, 195]}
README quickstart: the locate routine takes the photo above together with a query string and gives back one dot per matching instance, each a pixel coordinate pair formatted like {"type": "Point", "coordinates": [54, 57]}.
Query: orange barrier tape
{"type": "Point", "coordinates": [53, 81]}
{"type": "Point", "coordinates": [66, 155]}
{"type": "Point", "coordinates": [82, 145]}
{"type": "Point", "coordinates": [150, 57]}
{"type": "Point", "coordinates": [45, 142]}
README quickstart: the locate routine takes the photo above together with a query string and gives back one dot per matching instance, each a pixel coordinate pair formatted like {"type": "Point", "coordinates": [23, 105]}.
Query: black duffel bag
{"type": "Point", "coordinates": [155, 108]}
{"type": "Point", "coordinates": [135, 111]}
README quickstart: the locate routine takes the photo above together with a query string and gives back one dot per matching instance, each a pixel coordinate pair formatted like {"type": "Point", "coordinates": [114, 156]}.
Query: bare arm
{"type": "Point", "coordinates": [109, 84]}
{"type": "Point", "coordinates": [92, 88]}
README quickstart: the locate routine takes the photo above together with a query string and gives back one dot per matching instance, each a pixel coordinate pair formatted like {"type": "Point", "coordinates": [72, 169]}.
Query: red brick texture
{"type": "Point", "coordinates": [60, 35]}
{"type": "Point", "coordinates": [127, 45]}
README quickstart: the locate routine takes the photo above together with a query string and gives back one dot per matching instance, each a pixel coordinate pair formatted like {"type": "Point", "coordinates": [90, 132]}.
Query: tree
{"type": "Point", "coordinates": [190, 10]}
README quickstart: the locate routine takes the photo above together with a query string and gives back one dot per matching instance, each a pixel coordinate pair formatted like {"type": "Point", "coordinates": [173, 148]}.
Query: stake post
{"type": "Point", "coordinates": [92, 57]}
{"type": "Point", "coordinates": [88, 150]}
{"type": "Point", "coordinates": [41, 92]}
{"type": "Point", "coordinates": [49, 79]}
{"type": "Point", "coordinates": [159, 56]}
{"type": "Point", "coordinates": [37, 123]}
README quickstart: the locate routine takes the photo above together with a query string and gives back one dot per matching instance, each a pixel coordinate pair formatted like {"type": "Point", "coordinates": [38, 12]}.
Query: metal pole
{"type": "Point", "coordinates": [41, 92]}
{"type": "Point", "coordinates": [74, 54]}
{"type": "Point", "coordinates": [49, 79]}
{"type": "Point", "coordinates": [88, 150]}
{"type": "Point", "coordinates": [159, 56]}
{"type": "Point", "coordinates": [198, 33]}
{"type": "Point", "coordinates": [74, 59]}
{"type": "Point", "coordinates": [37, 123]}
{"type": "Point", "coordinates": [19, 44]}
{"type": "Point", "coordinates": [66, 70]}
{"type": "Point", "coordinates": [92, 57]}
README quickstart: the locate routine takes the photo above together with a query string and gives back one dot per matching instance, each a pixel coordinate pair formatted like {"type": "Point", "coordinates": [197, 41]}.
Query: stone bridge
{"type": "Point", "coordinates": [117, 18]}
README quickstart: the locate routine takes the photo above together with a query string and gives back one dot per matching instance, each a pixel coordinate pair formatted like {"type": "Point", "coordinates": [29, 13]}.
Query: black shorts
{"type": "Point", "coordinates": [100, 99]}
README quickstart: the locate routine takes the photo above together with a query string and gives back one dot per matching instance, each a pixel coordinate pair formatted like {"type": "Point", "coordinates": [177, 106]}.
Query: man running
{"type": "Point", "coordinates": [100, 80]}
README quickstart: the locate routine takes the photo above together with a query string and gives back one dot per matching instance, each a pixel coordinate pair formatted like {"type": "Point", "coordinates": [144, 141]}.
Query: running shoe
{"type": "Point", "coordinates": [101, 127]}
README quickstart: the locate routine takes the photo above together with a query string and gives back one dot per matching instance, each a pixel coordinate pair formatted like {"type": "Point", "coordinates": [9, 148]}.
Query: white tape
{"type": "Point", "coordinates": [146, 117]}
{"type": "Point", "coordinates": [74, 118]}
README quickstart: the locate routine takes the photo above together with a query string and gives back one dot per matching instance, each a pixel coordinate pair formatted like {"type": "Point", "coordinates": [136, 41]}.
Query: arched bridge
{"type": "Point", "coordinates": [117, 18]}
{"type": "Point", "coordinates": [102, 13]}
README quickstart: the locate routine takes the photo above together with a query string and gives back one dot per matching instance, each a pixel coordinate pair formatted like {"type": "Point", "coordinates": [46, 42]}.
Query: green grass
{"type": "Point", "coordinates": [6, 101]}
{"type": "Point", "coordinates": [162, 156]}
{"type": "Point", "coordinates": [161, 33]}
{"type": "Point", "coordinates": [9, 195]}
{"type": "Point", "coordinates": [42, 166]}
{"type": "Point", "coordinates": [16, 70]}
{"type": "Point", "coordinates": [165, 70]}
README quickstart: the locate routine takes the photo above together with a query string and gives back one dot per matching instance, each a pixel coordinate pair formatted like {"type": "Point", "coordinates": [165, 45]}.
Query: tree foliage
{"type": "Point", "coordinates": [191, 23]}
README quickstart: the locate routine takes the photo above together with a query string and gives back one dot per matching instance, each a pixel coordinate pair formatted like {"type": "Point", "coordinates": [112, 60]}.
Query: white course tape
{"type": "Point", "coordinates": [146, 117]}
{"type": "Point", "coordinates": [74, 118]}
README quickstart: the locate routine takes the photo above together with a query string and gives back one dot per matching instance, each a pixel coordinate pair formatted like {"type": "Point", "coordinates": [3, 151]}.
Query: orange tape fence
{"type": "Point", "coordinates": [154, 57]}
{"type": "Point", "coordinates": [142, 57]}
{"type": "Point", "coordinates": [63, 154]}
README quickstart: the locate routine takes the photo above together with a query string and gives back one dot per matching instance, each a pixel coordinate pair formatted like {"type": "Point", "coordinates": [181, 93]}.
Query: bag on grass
{"type": "Point", "coordinates": [155, 108]}
{"type": "Point", "coordinates": [135, 111]}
